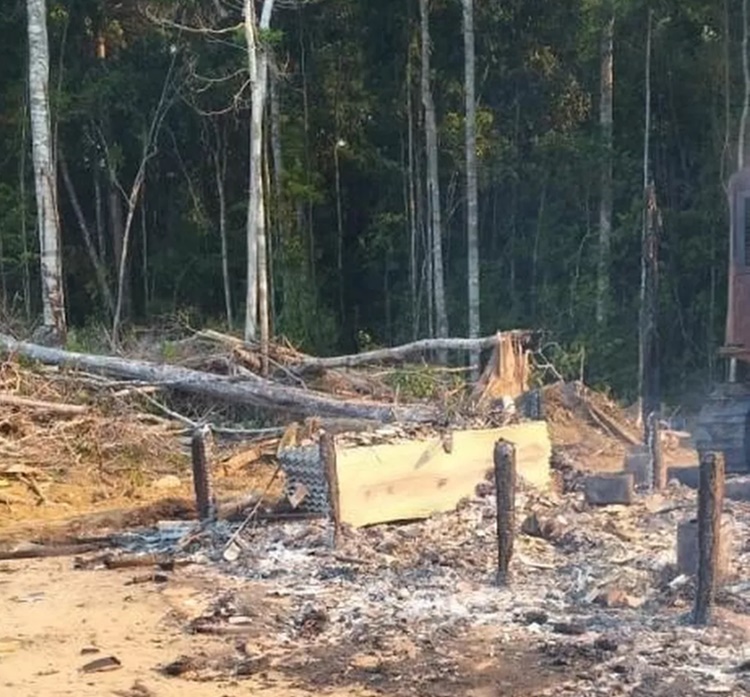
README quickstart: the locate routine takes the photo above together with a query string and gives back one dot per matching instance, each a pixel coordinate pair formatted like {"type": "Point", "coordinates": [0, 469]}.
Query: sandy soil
{"type": "Point", "coordinates": [56, 620]}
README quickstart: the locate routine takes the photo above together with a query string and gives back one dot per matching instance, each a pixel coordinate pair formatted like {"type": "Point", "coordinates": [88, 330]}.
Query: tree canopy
{"type": "Point", "coordinates": [163, 87]}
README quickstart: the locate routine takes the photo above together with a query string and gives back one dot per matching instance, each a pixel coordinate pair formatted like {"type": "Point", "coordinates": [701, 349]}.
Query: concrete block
{"type": "Point", "coordinates": [609, 489]}
{"type": "Point", "coordinates": [687, 476]}
{"type": "Point", "coordinates": [687, 548]}
{"type": "Point", "coordinates": [639, 465]}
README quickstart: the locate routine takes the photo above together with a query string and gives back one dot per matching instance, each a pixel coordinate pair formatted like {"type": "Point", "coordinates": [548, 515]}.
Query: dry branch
{"type": "Point", "coordinates": [61, 409]}
{"type": "Point", "coordinates": [398, 353]}
{"type": "Point", "coordinates": [253, 390]}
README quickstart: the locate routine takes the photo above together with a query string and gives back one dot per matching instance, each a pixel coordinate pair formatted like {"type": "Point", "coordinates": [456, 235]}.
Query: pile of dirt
{"type": "Point", "coordinates": [596, 432]}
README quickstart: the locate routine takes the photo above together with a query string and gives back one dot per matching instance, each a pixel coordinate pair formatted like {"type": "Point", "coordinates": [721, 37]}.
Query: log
{"type": "Point", "coordinates": [52, 407]}
{"type": "Point", "coordinates": [253, 390]}
{"type": "Point", "coordinates": [399, 353]}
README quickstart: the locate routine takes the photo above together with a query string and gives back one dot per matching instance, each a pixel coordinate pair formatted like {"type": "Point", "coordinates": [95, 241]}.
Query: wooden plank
{"type": "Point", "coordinates": [415, 479]}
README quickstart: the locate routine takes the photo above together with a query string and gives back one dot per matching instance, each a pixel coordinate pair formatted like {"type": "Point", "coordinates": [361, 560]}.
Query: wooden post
{"type": "Point", "coordinates": [200, 450]}
{"type": "Point", "coordinates": [710, 505]}
{"type": "Point", "coordinates": [505, 495]}
{"type": "Point", "coordinates": [328, 459]}
{"type": "Point", "coordinates": [650, 379]}
{"type": "Point", "coordinates": [658, 470]}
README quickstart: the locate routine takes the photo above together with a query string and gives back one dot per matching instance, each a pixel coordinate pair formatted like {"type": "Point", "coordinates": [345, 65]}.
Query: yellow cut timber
{"type": "Point", "coordinates": [415, 479]}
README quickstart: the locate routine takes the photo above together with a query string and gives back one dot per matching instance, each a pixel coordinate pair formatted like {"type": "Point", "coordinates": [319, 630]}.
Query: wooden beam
{"type": "Point", "coordinates": [415, 479]}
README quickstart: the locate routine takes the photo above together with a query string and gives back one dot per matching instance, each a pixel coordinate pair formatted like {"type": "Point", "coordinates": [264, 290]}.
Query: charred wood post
{"type": "Point", "coordinates": [653, 440]}
{"type": "Point", "coordinates": [710, 504]}
{"type": "Point", "coordinates": [328, 459]}
{"type": "Point", "coordinates": [201, 456]}
{"type": "Point", "coordinates": [505, 496]}
{"type": "Point", "coordinates": [649, 315]}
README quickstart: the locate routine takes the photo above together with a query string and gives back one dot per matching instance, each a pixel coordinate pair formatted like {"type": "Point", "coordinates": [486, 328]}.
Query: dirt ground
{"type": "Point", "coordinates": [274, 640]}
{"type": "Point", "coordinates": [56, 620]}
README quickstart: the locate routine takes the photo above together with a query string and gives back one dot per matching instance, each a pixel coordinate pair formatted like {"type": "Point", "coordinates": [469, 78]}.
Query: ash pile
{"type": "Point", "coordinates": [596, 595]}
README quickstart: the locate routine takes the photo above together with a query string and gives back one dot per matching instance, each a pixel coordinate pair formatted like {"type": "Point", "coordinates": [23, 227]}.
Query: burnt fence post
{"type": "Point", "coordinates": [710, 505]}
{"type": "Point", "coordinates": [504, 457]}
{"type": "Point", "coordinates": [200, 447]}
{"type": "Point", "coordinates": [328, 459]}
{"type": "Point", "coordinates": [653, 441]}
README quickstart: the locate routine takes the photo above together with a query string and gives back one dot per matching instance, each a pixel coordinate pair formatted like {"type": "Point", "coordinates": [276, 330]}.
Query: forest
{"type": "Point", "coordinates": [350, 174]}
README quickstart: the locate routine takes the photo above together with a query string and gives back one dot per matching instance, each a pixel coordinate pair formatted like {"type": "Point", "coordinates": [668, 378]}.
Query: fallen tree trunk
{"type": "Point", "coordinates": [252, 390]}
{"type": "Point", "coordinates": [399, 353]}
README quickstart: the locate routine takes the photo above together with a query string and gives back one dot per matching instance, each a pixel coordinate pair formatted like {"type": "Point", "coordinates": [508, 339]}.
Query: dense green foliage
{"type": "Point", "coordinates": [344, 67]}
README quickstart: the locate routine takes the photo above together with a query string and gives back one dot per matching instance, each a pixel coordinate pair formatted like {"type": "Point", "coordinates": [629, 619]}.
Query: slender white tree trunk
{"type": "Point", "coordinates": [605, 125]}
{"type": "Point", "coordinates": [746, 98]}
{"type": "Point", "coordinates": [433, 182]}
{"type": "Point", "coordinates": [220, 172]}
{"type": "Point", "coordinates": [472, 196]}
{"type": "Point", "coordinates": [48, 222]}
{"type": "Point", "coordinates": [257, 290]}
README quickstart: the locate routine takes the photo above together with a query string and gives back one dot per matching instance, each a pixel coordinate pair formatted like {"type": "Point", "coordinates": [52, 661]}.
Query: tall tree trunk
{"type": "Point", "coordinates": [278, 173]}
{"type": "Point", "coordinates": [433, 181]}
{"type": "Point", "coordinates": [605, 124]}
{"type": "Point", "coordinates": [472, 221]}
{"type": "Point", "coordinates": [646, 342]}
{"type": "Point", "coordinates": [258, 78]}
{"type": "Point", "coordinates": [746, 98]}
{"type": "Point", "coordinates": [24, 229]}
{"type": "Point", "coordinates": [220, 171]}
{"type": "Point", "coordinates": [726, 155]}
{"type": "Point", "coordinates": [339, 229]}
{"type": "Point", "coordinates": [48, 222]}
{"type": "Point", "coordinates": [99, 212]}
{"type": "Point", "coordinates": [308, 228]}
{"type": "Point", "coordinates": [100, 271]}
{"type": "Point", "coordinates": [411, 199]}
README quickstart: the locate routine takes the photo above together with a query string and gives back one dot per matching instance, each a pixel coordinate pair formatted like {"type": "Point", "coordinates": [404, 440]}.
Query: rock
{"type": "Point", "coordinates": [169, 481]}
{"type": "Point", "coordinates": [609, 489]}
{"type": "Point", "coordinates": [617, 598]}
{"type": "Point", "coordinates": [535, 617]}
{"type": "Point", "coordinates": [569, 628]}
{"type": "Point", "coordinates": [545, 528]}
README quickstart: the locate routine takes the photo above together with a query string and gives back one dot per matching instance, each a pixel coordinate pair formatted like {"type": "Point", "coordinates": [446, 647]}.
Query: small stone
{"type": "Point", "coordinates": [535, 617]}
{"type": "Point", "coordinates": [169, 481]}
{"type": "Point", "coordinates": [569, 628]}
{"type": "Point", "coordinates": [617, 598]}
{"type": "Point", "coordinates": [544, 528]}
